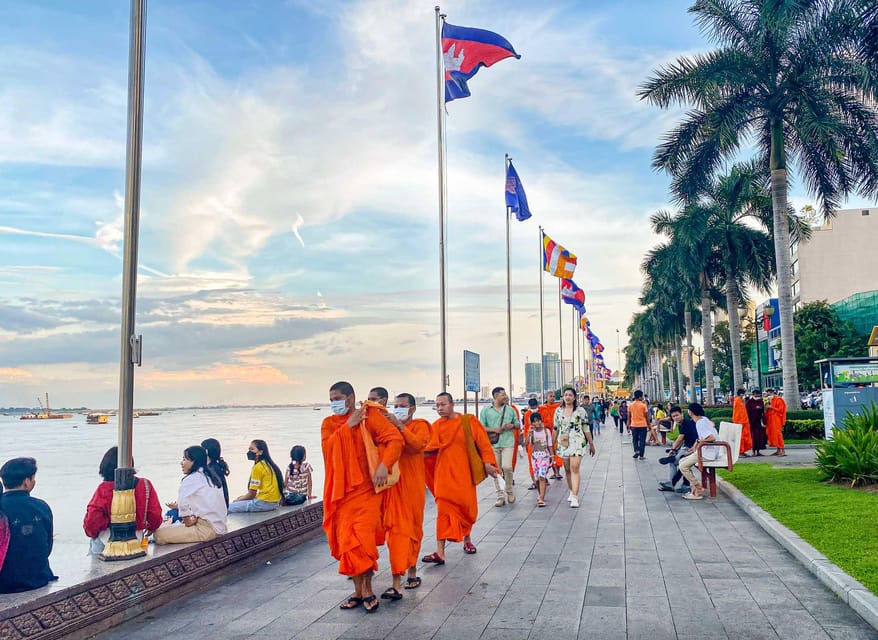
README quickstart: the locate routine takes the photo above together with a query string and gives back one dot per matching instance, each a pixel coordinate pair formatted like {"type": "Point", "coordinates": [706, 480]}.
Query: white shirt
{"type": "Point", "coordinates": [197, 497]}
{"type": "Point", "coordinates": [705, 429]}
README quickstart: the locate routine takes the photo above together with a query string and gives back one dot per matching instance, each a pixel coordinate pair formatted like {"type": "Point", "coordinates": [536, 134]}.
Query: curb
{"type": "Point", "coordinates": [857, 597]}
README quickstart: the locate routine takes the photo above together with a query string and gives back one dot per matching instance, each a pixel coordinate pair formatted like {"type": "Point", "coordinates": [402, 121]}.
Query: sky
{"type": "Point", "coordinates": [289, 212]}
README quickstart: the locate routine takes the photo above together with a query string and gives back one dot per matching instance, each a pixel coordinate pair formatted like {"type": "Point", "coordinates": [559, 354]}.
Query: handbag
{"type": "Point", "coordinates": [374, 459]}
{"type": "Point", "coordinates": [476, 466]}
{"type": "Point", "coordinates": [494, 438]}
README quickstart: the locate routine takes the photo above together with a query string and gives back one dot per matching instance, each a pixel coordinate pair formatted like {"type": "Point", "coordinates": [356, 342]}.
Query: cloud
{"type": "Point", "coordinates": [247, 373]}
{"type": "Point", "coordinates": [298, 224]}
{"type": "Point", "coordinates": [9, 375]}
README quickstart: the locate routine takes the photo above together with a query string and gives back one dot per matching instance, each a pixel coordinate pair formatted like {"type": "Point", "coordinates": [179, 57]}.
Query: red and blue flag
{"type": "Point", "coordinates": [572, 294]}
{"type": "Point", "coordinates": [465, 50]}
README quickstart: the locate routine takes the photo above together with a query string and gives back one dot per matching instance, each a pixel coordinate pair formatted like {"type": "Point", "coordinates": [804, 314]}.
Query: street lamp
{"type": "Point", "coordinates": [767, 311]}
{"type": "Point", "coordinates": [745, 316]}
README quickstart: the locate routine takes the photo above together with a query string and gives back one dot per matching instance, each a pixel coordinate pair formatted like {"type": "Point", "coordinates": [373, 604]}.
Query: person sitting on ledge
{"type": "Point", "coordinates": [266, 482]}
{"type": "Point", "coordinates": [148, 508]}
{"type": "Point", "coordinates": [200, 503]}
{"type": "Point", "coordinates": [26, 565]}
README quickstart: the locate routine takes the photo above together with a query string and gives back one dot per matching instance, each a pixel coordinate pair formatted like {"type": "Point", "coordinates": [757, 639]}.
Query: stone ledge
{"type": "Point", "coordinates": [849, 590]}
{"type": "Point", "coordinates": [83, 609]}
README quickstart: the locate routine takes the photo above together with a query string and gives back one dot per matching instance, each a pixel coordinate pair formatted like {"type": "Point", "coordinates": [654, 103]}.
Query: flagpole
{"type": "Point", "coordinates": [508, 290]}
{"type": "Point", "coordinates": [542, 332]}
{"type": "Point", "coordinates": [560, 341]}
{"type": "Point", "coordinates": [123, 543]}
{"type": "Point", "coordinates": [573, 346]}
{"type": "Point", "coordinates": [440, 118]}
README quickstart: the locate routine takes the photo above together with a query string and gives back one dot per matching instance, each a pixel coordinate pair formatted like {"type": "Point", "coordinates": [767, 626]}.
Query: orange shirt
{"type": "Point", "coordinates": [638, 414]}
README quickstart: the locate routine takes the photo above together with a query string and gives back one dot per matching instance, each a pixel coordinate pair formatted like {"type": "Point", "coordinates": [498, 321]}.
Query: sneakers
{"type": "Point", "coordinates": [570, 497]}
{"type": "Point", "coordinates": [574, 502]}
{"type": "Point", "coordinates": [667, 459]}
{"type": "Point", "coordinates": [501, 502]}
{"type": "Point", "coordinates": [642, 458]}
{"type": "Point", "coordinates": [635, 456]}
{"type": "Point", "coordinates": [510, 498]}
{"type": "Point", "coordinates": [693, 496]}
{"type": "Point", "coordinates": [683, 489]}
{"type": "Point", "coordinates": [666, 486]}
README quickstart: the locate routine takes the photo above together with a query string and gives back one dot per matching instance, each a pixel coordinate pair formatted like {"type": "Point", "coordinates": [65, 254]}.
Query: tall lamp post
{"type": "Point", "coordinates": [767, 311]}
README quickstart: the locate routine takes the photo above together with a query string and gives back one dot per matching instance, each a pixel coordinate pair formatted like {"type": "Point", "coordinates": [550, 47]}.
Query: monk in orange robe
{"type": "Point", "coordinates": [456, 504]}
{"type": "Point", "coordinates": [739, 416]}
{"type": "Point", "coordinates": [775, 419]}
{"type": "Point", "coordinates": [547, 413]}
{"type": "Point", "coordinates": [351, 506]}
{"type": "Point", "coordinates": [403, 509]}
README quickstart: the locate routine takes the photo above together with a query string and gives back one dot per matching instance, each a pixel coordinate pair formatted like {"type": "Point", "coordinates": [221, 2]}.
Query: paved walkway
{"type": "Point", "coordinates": [630, 563]}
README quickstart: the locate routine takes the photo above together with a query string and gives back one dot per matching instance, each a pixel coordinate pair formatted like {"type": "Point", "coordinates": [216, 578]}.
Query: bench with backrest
{"type": "Point", "coordinates": [729, 444]}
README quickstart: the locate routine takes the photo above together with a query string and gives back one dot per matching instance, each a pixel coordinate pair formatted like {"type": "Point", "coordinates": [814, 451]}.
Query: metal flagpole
{"type": "Point", "coordinates": [123, 543]}
{"type": "Point", "coordinates": [542, 332]}
{"type": "Point", "coordinates": [508, 293]}
{"type": "Point", "coordinates": [573, 346]}
{"type": "Point", "coordinates": [440, 117]}
{"type": "Point", "coordinates": [560, 341]}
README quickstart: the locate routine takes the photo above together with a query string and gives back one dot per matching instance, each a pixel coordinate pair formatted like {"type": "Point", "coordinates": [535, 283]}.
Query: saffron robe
{"type": "Point", "coordinates": [547, 413]}
{"type": "Point", "coordinates": [403, 508]}
{"type": "Point", "coordinates": [351, 508]}
{"type": "Point", "coordinates": [456, 504]}
{"type": "Point", "coordinates": [739, 416]}
{"type": "Point", "coordinates": [775, 419]}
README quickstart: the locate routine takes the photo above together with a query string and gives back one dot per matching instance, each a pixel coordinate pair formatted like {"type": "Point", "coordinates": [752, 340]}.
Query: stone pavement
{"type": "Point", "coordinates": [631, 562]}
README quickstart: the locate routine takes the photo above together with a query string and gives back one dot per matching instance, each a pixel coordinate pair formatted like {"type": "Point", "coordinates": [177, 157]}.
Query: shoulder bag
{"type": "Point", "coordinates": [374, 459]}
{"type": "Point", "coordinates": [476, 466]}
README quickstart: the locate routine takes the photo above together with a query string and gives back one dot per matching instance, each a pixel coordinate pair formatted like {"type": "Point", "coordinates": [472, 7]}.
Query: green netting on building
{"type": "Point", "coordinates": [860, 309]}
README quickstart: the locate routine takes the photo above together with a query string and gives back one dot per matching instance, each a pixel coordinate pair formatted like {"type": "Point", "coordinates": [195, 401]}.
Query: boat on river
{"type": "Point", "coordinates": [45, 413]}
{"type": "Point", "coordinates": [97, 418]}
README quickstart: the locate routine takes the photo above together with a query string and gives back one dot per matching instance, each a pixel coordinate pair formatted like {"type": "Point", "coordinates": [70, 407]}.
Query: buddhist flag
{"type": "Point", "coordinates": [556, 259]}
{"type": "Point", "coordinates": [584, 322]}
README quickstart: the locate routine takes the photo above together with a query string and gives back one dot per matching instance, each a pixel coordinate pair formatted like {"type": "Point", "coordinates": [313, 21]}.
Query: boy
{"type": "Point", "coordinates": [30, 530]}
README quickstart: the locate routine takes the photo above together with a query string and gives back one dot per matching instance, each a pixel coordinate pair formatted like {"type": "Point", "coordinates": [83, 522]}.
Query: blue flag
{"type": "Point", "coordinates": [515, 198]}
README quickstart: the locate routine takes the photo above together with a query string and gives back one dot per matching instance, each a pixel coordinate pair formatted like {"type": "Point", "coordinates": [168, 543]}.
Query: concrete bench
{"type": "Point", "coordinates": [730, 441]}
{"type": "Point", "coordinates": [98, 595]}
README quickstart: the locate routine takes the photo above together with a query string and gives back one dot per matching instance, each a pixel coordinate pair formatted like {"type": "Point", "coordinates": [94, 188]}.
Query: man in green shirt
{"type": "Point", "coordinates": [500, 420]}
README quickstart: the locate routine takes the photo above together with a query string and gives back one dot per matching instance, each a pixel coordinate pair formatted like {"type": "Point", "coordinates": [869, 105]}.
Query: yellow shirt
{"type": "Point", "coordinates": [264, 482]}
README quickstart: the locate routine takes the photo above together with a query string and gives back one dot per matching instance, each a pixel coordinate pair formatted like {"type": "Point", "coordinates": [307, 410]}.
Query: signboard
{"type": "Point", "coordinates": [854, 374]}
{"type": "Point", "coordinates": [471, 373]}
{"type": "Point", "coordinates": [873, 339]}
{"type": "Point", "coordinates": [828, 413]}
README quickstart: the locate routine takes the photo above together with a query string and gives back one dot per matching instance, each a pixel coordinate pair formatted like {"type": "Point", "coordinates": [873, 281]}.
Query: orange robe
{"type": "Point", "coordinates": [403, 508]}
{"type": "Point", "coordinates": [528, 448]}
{"type": "Point", "coordinates": [775, 419]}
{"type": "Point", "coordinates": [547, 413]}
{"type": "Point", "coordinates": [456, 504]}
{"type": "Point", "coordinates": [351, 508]}
{"type": "Point", "coordinates": [739, 416]}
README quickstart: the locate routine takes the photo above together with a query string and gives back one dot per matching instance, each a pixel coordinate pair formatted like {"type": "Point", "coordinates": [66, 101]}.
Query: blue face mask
{"type": "Point", "coordinates": [338, 407]}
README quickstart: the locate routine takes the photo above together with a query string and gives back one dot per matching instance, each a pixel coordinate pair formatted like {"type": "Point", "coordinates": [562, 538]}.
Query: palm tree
{"type": "Point", "coordinates": [791, 77]}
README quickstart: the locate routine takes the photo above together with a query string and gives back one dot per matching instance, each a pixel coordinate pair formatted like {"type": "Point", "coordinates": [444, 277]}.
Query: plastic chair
{"type": "Point", "coordinates": [729, 443]}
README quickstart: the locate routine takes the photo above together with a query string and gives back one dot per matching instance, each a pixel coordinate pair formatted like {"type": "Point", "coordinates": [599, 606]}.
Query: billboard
{"type": "Point", "coordinates": [471, 373]}
{"type": "Point", "coordinates": [854, 374]}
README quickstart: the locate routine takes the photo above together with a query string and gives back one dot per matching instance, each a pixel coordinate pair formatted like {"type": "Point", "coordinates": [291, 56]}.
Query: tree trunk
{"type": "Point", "coordinates": [681, 384]}
{"type": "Point", "coordinates": [690, 369]}
{"type": "Point", "coordinates": [777, 164]}
{"type": "Point", "coordinates": [707, 335]}
{"type": "Point", "coordinates": [660, 396]}
{"type": "Point", "coordinates": [672, 380]}
{"type": "Point", "coordinates": [734, 333]}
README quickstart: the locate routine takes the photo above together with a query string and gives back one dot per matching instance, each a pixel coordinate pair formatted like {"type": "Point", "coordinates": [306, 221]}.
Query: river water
{"type": "Point", "coordinates": [68, 452]}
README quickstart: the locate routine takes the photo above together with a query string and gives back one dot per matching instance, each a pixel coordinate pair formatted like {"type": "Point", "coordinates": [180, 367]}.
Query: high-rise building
{"type": "Point", "coordinates": [551, 366]}
{"type": "Point", "coordinates": [566, 371]}
{"type": "Point", "coordinates": [532, 377]}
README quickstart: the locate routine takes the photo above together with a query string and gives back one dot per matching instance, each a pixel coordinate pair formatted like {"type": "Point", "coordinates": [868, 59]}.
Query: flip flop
{"type": "Point", "coordinates": [540, 503]}
{"type": "Point", "coordinates": [433, 558]}
{"type": "Point", "coordinates": [351, 603]}
{"type": "Point", "coordinates": [412, 583]}
{"type": "Point", "coordinates": [469, 548]}
{"type": "Point", "coordinates": [391, 594]}
{"type": "Point", "coordinates": [373, 600]}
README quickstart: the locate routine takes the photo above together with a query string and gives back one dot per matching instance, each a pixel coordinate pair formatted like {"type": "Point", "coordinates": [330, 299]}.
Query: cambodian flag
{"type": "Point", "coordinates": [572, 294]}
{"type": "Point", "coordinates": [465, 50]}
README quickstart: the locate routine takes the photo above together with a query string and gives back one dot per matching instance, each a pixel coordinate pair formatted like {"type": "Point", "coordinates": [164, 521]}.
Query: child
{"type": "Point", "coordinates": [540, 440]}
{"type": "Point", "coordinates": [297, 479]}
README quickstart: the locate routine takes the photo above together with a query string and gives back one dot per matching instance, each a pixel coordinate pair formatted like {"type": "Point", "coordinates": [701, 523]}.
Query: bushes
{"type": "Point", "coordinates": [852, 455]}
{"type": "Point", "coordinates": [803, 429]}
{"type": "Point", "coordinates": [724, 413]}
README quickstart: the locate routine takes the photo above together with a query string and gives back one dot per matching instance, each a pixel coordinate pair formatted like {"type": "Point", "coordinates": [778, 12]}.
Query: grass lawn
{"type": "Point", "coordinates": [840, 522]}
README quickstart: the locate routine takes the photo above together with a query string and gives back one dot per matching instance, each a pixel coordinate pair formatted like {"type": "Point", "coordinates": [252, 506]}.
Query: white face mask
{"type": "Point", "coordinates": [401, 413]}
{"type": "Point", "coordinates": [338, 407]}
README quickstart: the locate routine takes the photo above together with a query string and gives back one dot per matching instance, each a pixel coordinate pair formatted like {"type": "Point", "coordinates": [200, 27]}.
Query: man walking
{"type": "Point", "coordinates": [775, 419]}
{"type": "Point", "coordinates": [638, 422]}
{"type": "Point", "coordinates": [501, 421]}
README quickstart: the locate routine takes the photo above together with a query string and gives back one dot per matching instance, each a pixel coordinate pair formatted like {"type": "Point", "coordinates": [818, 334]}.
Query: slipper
{"type": "Point", "coordinates": [692, 496]}
{"type": "Point", "coordinates": [469, 548]}
{"type": "Point", "coordinates": [351, 603]}
{"type": "Point", "coordinates": [433, 558]}
{"type": "Point", "coordinates": [391, 594]}
{"type": "Point", "coordinates": [412, 583]}
{"type": "Point", "coordinates": [373, 600]}
{"type": "Point", "coordinates": [540, 503]}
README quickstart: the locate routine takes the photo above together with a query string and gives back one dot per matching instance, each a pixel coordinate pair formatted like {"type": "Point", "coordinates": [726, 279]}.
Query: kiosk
{"type": "Point", "coordinates": [849, 385]}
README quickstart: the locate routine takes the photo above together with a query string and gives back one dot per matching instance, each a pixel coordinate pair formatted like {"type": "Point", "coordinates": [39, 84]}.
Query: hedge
{"type": "Point", "coordinates": [725, 413]}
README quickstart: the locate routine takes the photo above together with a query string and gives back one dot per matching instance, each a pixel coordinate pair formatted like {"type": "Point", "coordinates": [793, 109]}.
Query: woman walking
{"type": "Point", "coordinates": [571, 430]}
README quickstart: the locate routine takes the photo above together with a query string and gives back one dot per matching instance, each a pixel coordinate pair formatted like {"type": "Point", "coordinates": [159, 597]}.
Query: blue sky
{"type": "Point", "coordinates": [262, 116]}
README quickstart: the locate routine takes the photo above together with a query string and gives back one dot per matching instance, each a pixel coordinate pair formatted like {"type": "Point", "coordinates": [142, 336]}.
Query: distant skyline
{"type": "Point", "coordinates": [289, 211]}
